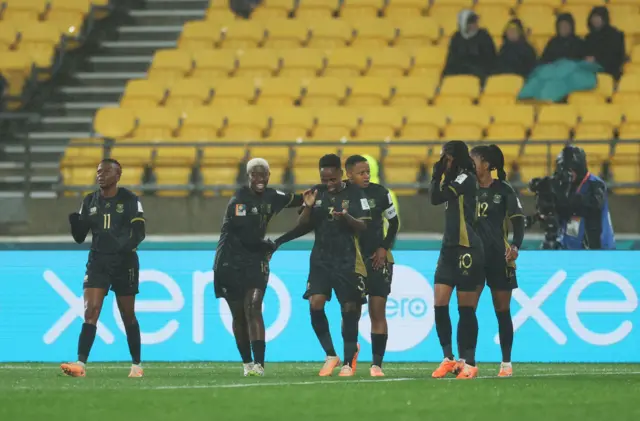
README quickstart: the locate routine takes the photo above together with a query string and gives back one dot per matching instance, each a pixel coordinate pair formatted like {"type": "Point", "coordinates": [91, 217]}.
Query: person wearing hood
{"type": "Point", "coordinates": [471, 49]}
{"type": "Point", "coordinates": [516, 55]}
{"type": "Point", "coordinates": [566, 44]}
{"type": "Point", "coordinates": [605, 43]}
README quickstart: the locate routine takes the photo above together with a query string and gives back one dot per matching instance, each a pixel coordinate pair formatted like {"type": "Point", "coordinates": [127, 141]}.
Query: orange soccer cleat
{"type": "Point", "coordinates": [467, 372]}
{"type": "Point", "coordinates": [346, 371]}
{"type": "Point", "coordinates": [446, 366]}
{"type": "Point", "coordinates": [136, 371]}
{"type": "Point", "coordinates": [329, 365]}
{"type": "Point", "coordinates": [73, 369]}
{"type": "Point", "coordinates": [376, 371]}
{"type": "Point", "coordinates": [354, 361]}
{"type": "Point", "coordinates": [506, 370]}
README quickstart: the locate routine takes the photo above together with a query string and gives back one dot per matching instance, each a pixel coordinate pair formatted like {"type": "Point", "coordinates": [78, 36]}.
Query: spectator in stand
{"type": "Point", "coordinates": [516, 55]}
{"type": "Point", "coordinates": [566, 44]}
{"type": "Point", "coordinates": [471, 49]}
{"type": "Point", "coordinates": [605, 43]}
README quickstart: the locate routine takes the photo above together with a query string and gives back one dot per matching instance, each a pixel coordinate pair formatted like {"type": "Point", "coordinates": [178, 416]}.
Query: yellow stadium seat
{"type": "Point", "coordinates": [402, 175]}
{"type": "Point", "coordinates": [555, 122]}
{"type": "Point", "coordinates": [242, 34]}
{"type": "Point", "coordinates": [156, 124]}
{"type": "Point", "coordinates": [630, 128]}
{"type": "Point", "coordinates": [198, 35]}
{"type": "Point", "coordinates": [175, 156]}
{"type": "Point", "coordinates": [597, 122]}
{"type": "Point", "coordinates": [449, 9]}
{"type": "Point", "coordinates": [626, 173]}
{"type": "Point", "coordinates": [83, 156]}
{"type": "Point", "coordinates": [273, 9]}
{"type": "Point", "coordinates": [116, 123]}
{"type": "Point", "coordinates": [302, 62]}
{"type": "Point", "coordinates": [68, 15]}
{"type": "Point", "coordinates": [429, 60]}
{"type": "Point", "coordinates": [368, 91]}
{"type": "Point", "coordinates": [374, 33]}
{"type": "Point", "coordinates": [39, 40]}
{"type": "Point", "coordinates": [531, 170]}
{"type": "Point", "coordinates": [200, 124]}
{"type": "Point", "coordinates": [309, 151]}
{"type": "Point", "coordinates": [493, 18]}
{"type": "Point", "coordinates": [143, 93]}
{"type": "Point", "coordinates": [627, 152]}
{"type": "Point", "coordinates": [335, 123]}
{"type": "Point", "coordinates": [79, 176]}
{"type": "Point", "coordinates": [307, 175]}
{"type": "Point", "coordinates": [324, 91]}
{"type": "Point", "coordinates": [330, 33]}
{"type": "Point", "coordinates": [510, 123]}
{"type": "Point", "coordinates": [131, 176]}
{"type": "Point", "coordinates": [16, 68]}
{"type": "Point", "coordinates": [224, 153]}
{"type": "Point", "coordinates": [628, 90]}
{"type": "Point", "coordinates": [234, 92]}
{"type": "Point", "coordinates": [458, 90]}
{"type": "Point", "coordinates": [8, 37]}
{"type": "Point", "coordinates": [414, 91]}
{"type": "Point", "coordinates": [354, 10]}
{"type": "Point", "coordinates": [258, 63]}
{"type": "Point", "coordinates": [601, 94]}
{"type": "Point", "coordinates": [170, 65]}
{"type": "Point", "coordinates": [214, 64]}
{"type": "Point", "coordinates": [398, 10]}
{"type": "Point", "coordinates": [379, 124]}
{"type": "Point", "coordinates": [628, 24]}
{"type": "Point", "coordinates": [276, 154]}
{"type": "Point", "coordinates": [466, 123]}
{"type": "Point", "coordinates": [279, 92]}
{"type": "Point", "coordinates": [289, 124]}
{"type": "Point", "coordinates": [540, 24]}
{"type": "Point", "coordinates": [316, 9]}
{"type": "Point", "coordinates": [244, 124]}
{"type": "Point", "coordinates": [132, 156]}
{"type": "Point", "coordinates": [423, 123]}
{"type": "Point", "coordinates": [25, 10]}
{"type": "Point", "coordinates": [389, 62]}
{"type": "Point", "coordinates": [501, 90]}
{"type": "Point", "coordinates": [418, 32]}
{"type": "Point", "coordinates": [287, 33]}
{"type": "Point", "coordinates": [633, 66]}
{"type": "Point", "coordinates": [168, 177]}
{"type": "Point", "coordinates": [190, 93]}
{"type": "Point", "coordinates": [220, 176]}
{"type": "Point", "coordinates": [346, 62]}
{"type": "Point", "coordinates": [406, 155]}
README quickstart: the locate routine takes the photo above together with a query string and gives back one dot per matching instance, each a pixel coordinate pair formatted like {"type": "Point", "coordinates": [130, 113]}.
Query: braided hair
{"type": "Point", "coordinates": [460, 153]}
{"type": "Point", "coordinates": [492, 154]}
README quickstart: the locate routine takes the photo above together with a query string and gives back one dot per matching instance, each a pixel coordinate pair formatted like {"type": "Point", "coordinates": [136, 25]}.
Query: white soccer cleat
{"type": "Point", "coordinates": [136, 371]}
{"type": "Point", "coordinates": [257, 371]}
{"type": "Point", "coordinates": [247, 369]}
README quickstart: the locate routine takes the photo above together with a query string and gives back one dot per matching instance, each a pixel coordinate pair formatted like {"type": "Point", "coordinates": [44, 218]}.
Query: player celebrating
{"type": "Point", "coordinates": [375, 246]}
{"type": "Point", "coordinates": [497, 203]}
{"type": "Point", "coordinates": [241, 268]}
{"type": "Point", "coordinates": [114, 216]}
{"type": "Point", "coordinates": [461, 261]}
{"type": "Point", "coordinates": [336, 212]}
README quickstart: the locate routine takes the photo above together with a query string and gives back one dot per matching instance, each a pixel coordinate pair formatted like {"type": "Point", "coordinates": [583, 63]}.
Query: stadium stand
{"type": "Point", "coordinates": [354, 72]}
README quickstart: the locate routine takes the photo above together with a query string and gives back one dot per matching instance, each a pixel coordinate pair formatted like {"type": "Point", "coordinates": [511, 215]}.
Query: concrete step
{"type": "Point", "coordinates": [165, 16]}
{"type": "Point", "coordinates": [75, 108]}
{"type": "Point", "coordinates": [149, 33]}
{"type": "Point", "coordinates": [106, 79]}
{"type": "Point", "coordinates": [135, 48]}
{"type": "Point", "coordinates": [65, 124]}
{"type": "Point", "coordinates": [57, 137]}
{"type": "Point", "coordinates": [119, 64]}
{"type": "Point", "coordinates": [88, 93]}
{"type": "Point", "coordinates": [177, 4]}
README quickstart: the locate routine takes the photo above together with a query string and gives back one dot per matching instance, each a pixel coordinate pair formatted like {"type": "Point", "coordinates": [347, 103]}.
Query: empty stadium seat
{"type": "Point", "coordinates": [628, 91]}
{"type": "Point", "coordinates": [219, 175]}
{"type": "Point", "coordinates": [172, 181]}
{"type": "Point", "coordinates": [8, 37]}
{"type": "Point", "coordinates": [258, 63]}
{"type": "Point", "coordinates": [317, 9]}
{"type": "Point", "coordinates": [428, 60]}
{"type": "Point", "coordinates": [335, 123]}
{"type": "Point", "coordinates": [39, 40]}
{"type": "Point", "coordinates": [244, 124]}
{"type": "Point", "coordinates": [325, 91]}
{"type": "Point", "coordinates": [175, 156]}
{"type": "Point", "coordinates": [378, 124]}
{"type": "Point", "coordinates": [598, 122]}
{"type": "Point", "coordinates": [630, 127]}
{"type": "Point", "coordinates": [501, 90]}
{"type": "Point", "coordinates": [355, 10]}
{"type": "Point", "coordinates": [242, 34]}
{"type": "Point", "coordinates": [19, 11]}
{"type": "Point", "coordinates": [290, 124]}
{"type": "Point", "coordinates": [68, 15]}
{"type": "Point", "coordinates": [287, 33]}
{"type": "Point", "coordinates": [214, 64]}
{"type": "Point", "coordinates": [389, 62]}
{"type": "Point", "coordinates": [423, 123]}
{"type": "Point", "coordinates": [156, 124]}
{"type": "Point", "coordinates": [114, 123]}
{"type": "Point", "coordinates": [555, 122]}
{"type": "Point", "coordinates": [17, 67]}
{"type": "Point", "coordinates": [404, 9]}
{"type": "Point", "coordinates": [234, 92]}
{"type": "Point", "coordinates": [302, 62]}
{"type": "Point", "coordinates": [198, 35]}
{"type": "Point", "coordinates": [417, 31]}
{"type": "Point", "coordinates": [331, 33]}
{"type": "Point", "coordinates": [458, 90]}
{"type": "Point", "coordinates": [273, 9]}
{"type": "Point", "coordinates": [600, 95]}
{"type": "Point", "coordinates": [510, 123]}
{"type": "Point", "coordinates": [466, 123]}
{"type": "Point", "coordinates": [190, 93]}
{"type": "Point", "coordinates": [133, 156]}
{"type": "Point", "coordinates": [373, 33]}
{"type": "Point", "coordinates": [200, 124]}
{"type": "Point", "coordinates": [368, 91]}
{"type": "Point", "coordinates": [414, 91]}
{"type": "Point", "coordinates": [279, 92]}
{"type": "Point", "coordinates": [170, 65]}
{"type": "Point", "coordinates": [143, 93]}
{"type": "Point", "coordinates": [83, 156]}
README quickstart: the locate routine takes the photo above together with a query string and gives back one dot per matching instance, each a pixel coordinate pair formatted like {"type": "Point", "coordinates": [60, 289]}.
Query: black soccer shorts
{"type": "Point", "coordinates": [120, 273]}
{"type": "Point", "coordinates": [350, 287]}
{"type": "Point", "coordinates": [378, 281]}
{"type": "Point", "coordinates": [460, 267]}
{"type": "Point", "coordinates": [500, 276]}
{"type": "Point", "coordinates": [233, 282]}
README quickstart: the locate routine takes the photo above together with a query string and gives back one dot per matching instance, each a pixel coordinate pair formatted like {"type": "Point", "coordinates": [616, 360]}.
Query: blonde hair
{"type": "Point", "coordinates": [257, 162]}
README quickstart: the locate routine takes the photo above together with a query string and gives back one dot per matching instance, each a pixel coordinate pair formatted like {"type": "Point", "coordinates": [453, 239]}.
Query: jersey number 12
{"type": "Point", "coordinates": [482, 209]}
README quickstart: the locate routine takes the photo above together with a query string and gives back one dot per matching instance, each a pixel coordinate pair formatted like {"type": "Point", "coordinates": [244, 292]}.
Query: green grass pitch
{"type": "Point", "coordinates": [293, 391]}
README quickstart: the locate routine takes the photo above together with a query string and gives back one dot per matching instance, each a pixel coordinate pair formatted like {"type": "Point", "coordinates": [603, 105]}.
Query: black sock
{"type": "Point", "coordinates": [378, 347]}
{"type": "Point", "coordinates": [468, 334]}
{"type": "Point", "coordinates": [85, 342]}
{"type": "Point", "coordinates": [133, 339]}
{"type": "Point", "coordinates": [505, 330]}
{"type": "Point", "coordinates": [350, 335]}
{"type": "Point", "coordinates": [258, 351]}
{"type": "Point", "coordinates": [321, 327]}
{"type": "Point", "coordinates": [245, 350]}
{"type": "Point", "coordinates": [443, 327]}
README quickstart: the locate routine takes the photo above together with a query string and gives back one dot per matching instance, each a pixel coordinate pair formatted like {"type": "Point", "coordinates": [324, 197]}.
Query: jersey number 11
{"type": "Point", "coordinates": [106, 224]}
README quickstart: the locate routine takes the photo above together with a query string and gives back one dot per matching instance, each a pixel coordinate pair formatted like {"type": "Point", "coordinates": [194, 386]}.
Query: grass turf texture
{"type": "Point", "coordinates": [217, 391]}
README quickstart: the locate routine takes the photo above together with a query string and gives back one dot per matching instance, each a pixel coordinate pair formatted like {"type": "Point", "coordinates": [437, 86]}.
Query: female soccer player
{"type": "Point", "coordinates": [461, 261]}
{"type": "Point", "coordinates": [497, 203]}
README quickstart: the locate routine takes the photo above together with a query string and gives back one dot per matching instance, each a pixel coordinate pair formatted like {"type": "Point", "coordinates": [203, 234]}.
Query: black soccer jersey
{"type": "Point", "coordinates": [496, 205]}
{"type": "Point", "coordinates": [245, 224]}
{"type": "Point", "coordinates": [459, 197]}
{"type": "Point", "coordinates": [382, 207]}
{"type": "Point", "coordinates": [109, 220]}
{"type": "Point", "coordinates": [336, 246]}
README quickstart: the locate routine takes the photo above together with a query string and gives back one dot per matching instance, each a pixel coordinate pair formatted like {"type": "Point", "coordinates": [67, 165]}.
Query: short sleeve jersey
{"type": "Point", "coordinates": [381, 207]}
{"type": "Point", "coordinates": [460, 213]}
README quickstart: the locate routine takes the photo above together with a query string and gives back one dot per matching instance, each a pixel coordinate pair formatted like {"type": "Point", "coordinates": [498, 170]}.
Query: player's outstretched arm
{"type": "Point", "coordinates": [297, 232]}
{"type": "Point", "coordinates": [79, 225]}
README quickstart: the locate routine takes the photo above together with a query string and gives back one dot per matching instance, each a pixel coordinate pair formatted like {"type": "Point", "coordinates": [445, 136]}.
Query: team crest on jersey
{"type": "Point", "coordinates": [254, 210]}
{"type": "Point", "coordinates": [119, 208]}
{"type": "Point", "coordinates": [497, 198]}
{"type": "Point", "coordinates": [372, 203]}
{"type": "Point", "coordinates": [108, 205]}
{"type": "Point", "coordinates": [93, 211]}
{"type": "Point", "coordinates": [241, 210]}
{"type": "Point", "coordinates": [318, 203]}
{"type": "Point", "coordinates": [345, 204]}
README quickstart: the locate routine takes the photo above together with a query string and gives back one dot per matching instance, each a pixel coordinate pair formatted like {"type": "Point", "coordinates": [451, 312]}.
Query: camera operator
{"type": "Point", "coordinates": [582, 205]}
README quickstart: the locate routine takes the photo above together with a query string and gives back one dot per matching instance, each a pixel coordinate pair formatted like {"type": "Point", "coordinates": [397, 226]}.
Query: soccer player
{"type": "Point", "coordinates": [241, 268]}
{"type": "Point", "coordinates": [497, 204]}
{"type": "Point", "coordinates": [336, 212]}
{"type": "Point", "coordinates": [375, 246]}
{"type": "Point", "coordinates": [461, 261]}
{"type": "Point", "coordinates": [114, 216]}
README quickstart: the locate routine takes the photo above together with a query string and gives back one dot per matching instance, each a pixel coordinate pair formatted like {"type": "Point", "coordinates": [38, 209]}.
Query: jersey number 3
{"type": "Point", "coordinates": [482, 209]}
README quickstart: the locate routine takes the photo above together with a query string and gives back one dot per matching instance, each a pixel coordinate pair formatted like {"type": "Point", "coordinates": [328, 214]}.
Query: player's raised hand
{"type": "Point", "coordinates": [379, 258]}
{"type": "Point", "coordinates": [439, 168]}
{"type": "Point", "coordinates": [309, 197]}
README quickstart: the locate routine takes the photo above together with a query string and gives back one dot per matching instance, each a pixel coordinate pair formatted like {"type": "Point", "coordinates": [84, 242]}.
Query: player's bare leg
{"type": "Point", "coordinates": [443, 327]}
{"type": "Point", "coordinates": [127, 307]}
{"type": "Point", "coordinates": [350, 318]}
{"type": "Point", "coordinates": [467, 334]}
{"type": "Point", "coordinates": [379, 333]}
{"type": "Point", "coordinates": [93, 299]}
{"type": "Point", "coordinates": [320, 325]}
{"type": "Point", "coordinates": [255, 323]}
{"type": "Point", "coordinates": [241, 334]}
{"type": "Point", "coordinates": [502, 306]}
